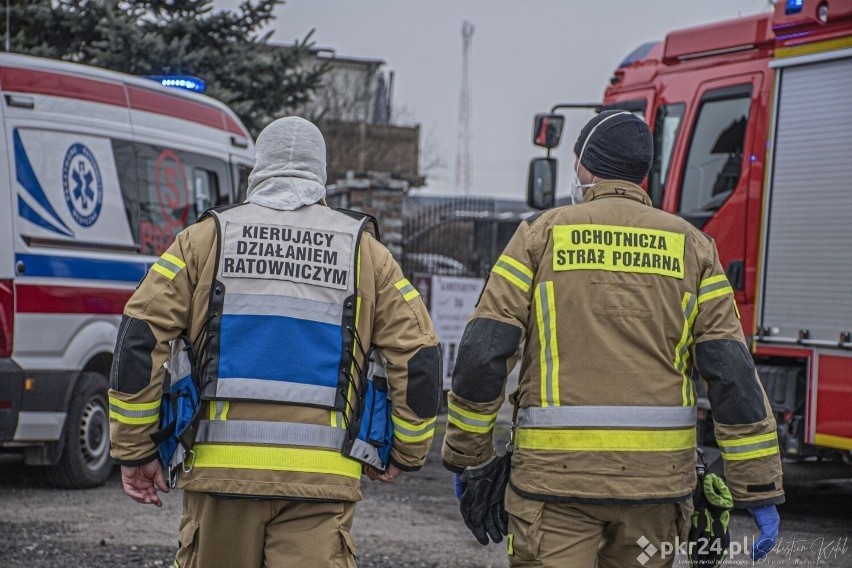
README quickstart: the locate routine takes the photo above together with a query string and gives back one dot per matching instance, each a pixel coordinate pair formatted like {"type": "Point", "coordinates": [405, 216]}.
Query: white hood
{"type": "Point", "coordinates": [289, 169]}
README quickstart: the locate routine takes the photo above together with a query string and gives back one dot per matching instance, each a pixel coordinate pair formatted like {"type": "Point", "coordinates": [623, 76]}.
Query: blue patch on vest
{"type": "Point", "coordinates": [278, 348]}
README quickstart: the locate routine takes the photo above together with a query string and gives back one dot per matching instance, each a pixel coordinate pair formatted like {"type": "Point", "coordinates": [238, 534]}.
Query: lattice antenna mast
{"type": "Point", "coordinates": [463, 163]}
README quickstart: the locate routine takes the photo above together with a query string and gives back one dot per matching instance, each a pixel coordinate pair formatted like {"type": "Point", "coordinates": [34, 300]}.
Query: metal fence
{"type": "Point", "coordinates": [458, 236]}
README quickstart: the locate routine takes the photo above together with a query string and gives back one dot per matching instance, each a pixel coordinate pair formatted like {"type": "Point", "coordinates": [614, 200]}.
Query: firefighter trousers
{"type": "Point", "coordinates": [543, 533]}
{"type": "Point", "coordinates": [221, 532]}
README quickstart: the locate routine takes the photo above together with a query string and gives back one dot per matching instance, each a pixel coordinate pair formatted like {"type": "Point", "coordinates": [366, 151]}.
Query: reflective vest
{"type": "Point", "coordinates": [282, 307]}
{"type": "Point", "coordinates": [281, 329]}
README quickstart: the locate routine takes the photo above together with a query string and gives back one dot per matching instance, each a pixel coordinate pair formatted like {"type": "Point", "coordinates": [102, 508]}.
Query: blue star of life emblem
{"type": "Point", "coordinates": [82, 184]}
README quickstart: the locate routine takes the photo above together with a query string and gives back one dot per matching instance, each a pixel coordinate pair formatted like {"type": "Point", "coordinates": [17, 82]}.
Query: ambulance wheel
{"type": "Point", "coordinates": [85, 458]}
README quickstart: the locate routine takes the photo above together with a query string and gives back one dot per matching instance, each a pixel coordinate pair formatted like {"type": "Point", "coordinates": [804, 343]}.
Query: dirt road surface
{"type": "Point", "coordinates": [413, 523]}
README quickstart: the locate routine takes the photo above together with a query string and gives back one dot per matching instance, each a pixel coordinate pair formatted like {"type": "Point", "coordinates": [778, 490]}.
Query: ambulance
{"type": "Point", "coordinates": [98, 173]}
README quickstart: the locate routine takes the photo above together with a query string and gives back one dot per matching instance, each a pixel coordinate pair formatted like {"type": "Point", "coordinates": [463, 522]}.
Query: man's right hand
{"type": "Point", "coordinates": [141, 483]}
{"type": "Point", "coordinates": [482, 501]}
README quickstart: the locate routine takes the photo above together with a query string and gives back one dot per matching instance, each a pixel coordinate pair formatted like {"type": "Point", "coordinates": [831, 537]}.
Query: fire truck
{"type": "Point", "coordinates": [752, 126]}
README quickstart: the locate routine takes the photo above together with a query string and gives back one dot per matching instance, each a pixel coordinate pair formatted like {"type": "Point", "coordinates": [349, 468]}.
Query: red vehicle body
{"type": "Point", "coordinates": [752, 119]}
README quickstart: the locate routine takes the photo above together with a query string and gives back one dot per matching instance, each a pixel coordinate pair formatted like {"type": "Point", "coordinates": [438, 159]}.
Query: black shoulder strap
{"type": "Point", "coordinates": [371, 225]}
{"type": "Point", "coordinates": [217, 209]}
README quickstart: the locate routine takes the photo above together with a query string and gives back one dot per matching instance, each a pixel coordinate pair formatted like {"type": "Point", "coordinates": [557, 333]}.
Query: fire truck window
{"type": "Point", "coordinates": [666, 129]}
{"type": "Point", "coordinates": [715, 154]}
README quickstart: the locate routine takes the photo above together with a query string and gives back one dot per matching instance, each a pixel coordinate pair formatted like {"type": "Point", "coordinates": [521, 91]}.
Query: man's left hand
{"type": "Point", "coordinates": [142, 482]}
{"type": "Point", "coordinates": [389, 475]}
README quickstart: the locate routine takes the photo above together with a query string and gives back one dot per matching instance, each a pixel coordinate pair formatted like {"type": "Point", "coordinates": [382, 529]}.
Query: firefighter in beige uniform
{"type": "Point", "coordinates": [277, 300]}
{"type": "Point", "coordinates": [613, 301]}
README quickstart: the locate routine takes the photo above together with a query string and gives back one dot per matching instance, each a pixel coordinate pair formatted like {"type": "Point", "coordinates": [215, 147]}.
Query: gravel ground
{"type": "Point", "coordinates": [413, 523]}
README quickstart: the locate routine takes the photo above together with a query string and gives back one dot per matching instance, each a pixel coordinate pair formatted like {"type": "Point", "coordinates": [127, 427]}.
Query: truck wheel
{"type": "Point", "coordinates": [85, 458]}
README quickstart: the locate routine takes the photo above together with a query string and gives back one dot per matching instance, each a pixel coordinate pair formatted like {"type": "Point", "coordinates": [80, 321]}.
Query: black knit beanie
{"type": "Point", "coordinates": [620, 148]}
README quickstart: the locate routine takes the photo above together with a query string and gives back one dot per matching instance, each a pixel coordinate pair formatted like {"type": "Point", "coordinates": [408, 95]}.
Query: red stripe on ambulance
{"type": "Point", "coordinates": [37, 299]}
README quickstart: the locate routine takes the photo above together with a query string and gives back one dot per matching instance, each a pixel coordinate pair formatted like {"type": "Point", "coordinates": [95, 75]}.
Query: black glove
{"type": "Point", "coordinates": [482, 502]}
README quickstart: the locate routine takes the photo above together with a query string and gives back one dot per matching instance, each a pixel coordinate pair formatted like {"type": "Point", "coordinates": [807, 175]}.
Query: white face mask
{"type": "Point", "coordinates": [577, 188]}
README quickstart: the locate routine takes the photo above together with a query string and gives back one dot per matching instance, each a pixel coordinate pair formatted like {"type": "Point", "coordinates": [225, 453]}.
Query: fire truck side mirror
{"type": "Point", "coordinates": [548, 130]}
{"type": "Point", "coordinates": [541, 183]}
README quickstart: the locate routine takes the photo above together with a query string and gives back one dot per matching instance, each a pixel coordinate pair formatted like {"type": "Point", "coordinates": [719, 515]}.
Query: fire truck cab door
{"type": "Point", "coordinates": [712, 170]}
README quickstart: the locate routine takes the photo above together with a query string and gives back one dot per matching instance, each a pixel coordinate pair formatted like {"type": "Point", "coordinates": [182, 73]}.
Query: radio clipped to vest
{"type": "Point", "coordinates": [179, 408]}
{"type": "Point", "coordinates": [372, 444]}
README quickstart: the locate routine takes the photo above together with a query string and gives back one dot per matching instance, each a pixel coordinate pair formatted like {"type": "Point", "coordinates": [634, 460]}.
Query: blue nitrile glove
{"type": "Point", "coordinates": [767, 520]}
{"type": "Point", "coordinates": [459, 486]}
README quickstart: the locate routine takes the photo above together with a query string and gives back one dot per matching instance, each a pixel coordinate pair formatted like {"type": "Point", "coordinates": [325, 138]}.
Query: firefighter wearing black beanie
{"type": "Point", "coordinates": [616, 144]}
{"type": "Point", "coordinates": [611, 305]}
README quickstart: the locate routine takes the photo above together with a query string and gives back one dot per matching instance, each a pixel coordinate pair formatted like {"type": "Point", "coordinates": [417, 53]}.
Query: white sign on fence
{"type": "Point", "coordinates": [451, 300]}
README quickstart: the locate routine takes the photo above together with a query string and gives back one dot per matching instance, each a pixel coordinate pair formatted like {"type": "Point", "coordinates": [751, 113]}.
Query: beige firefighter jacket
{"type": "Point", "coordinates": [390, 315]}
{"type": "Point", "coordinates": [613, 302]}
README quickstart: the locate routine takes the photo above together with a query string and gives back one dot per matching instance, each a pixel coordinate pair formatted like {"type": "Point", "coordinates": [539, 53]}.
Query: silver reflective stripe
{"type": "Point", "coordinates": [377, 366]}
{"type": "Point", "coordinates": [684, 347]}
{"type": "Point", "coordinates": [407, 289]}
{"type": "Point", "coordinates": [364, 452]}
{"type": "Point", "coordinates": [286, 306]}
{"type": "Point", "coordinates": [275, 391]}
{"type": "Point", "coordinates": [546, 315]}
{"type": "Point", "coordinates": [168, 265]}
{"type": "Point", "coordinates": [608, 416]}
{"type": "Point", "coordinates": [728, 450]}
{"type": "Point", "coordinates": [711, 287]}
{"type": "Point", "coordinates": [515, 272]}
{"type": "Point", "coordinates": [488, 424]}
{"type": "Point", "coordinates": [279, 433]}
{"type": "Point", "coordinates": [219, 407]}
{"type": "Point", "coordinates": [134, 413]}
{"type": "Point", "coordinates": [285, 434]}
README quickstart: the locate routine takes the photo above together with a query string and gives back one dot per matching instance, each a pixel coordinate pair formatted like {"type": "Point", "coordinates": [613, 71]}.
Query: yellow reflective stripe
{"type": "Point", "coordinates": [739, 442]}
{"type": "Point", "coordinates": [134, 421]}
{"type": "Point", "coordinates": [164, 271]}
{"type": "Point", "coordinates": [605, 440]}
{"type": "Point", "coordinates": [516, 265]}
{"type": "Point", "coordinates": [714, 287]}
{"type": "Point", "coordinates": [275, 459]}
{"type": "Point", "coordinates": [174, 260]}
{"type": "Point", "coordinates": [713, 280]}
{"type": "Point", "coordinates": [168, 265]}
{"type": "Point", "coordinates": [524, 286]}
{"type": "Point", "coordinates": [219, 409]}
{"type": "Point", "coordinates": [468, 421]}
{"type": "Point", "coordinates": [750, 447]}
{"type": "Point", "coordinates": [545, 306]}
{"type": "Point", "coordinates": [408, 291]}
{"type": "Point", "coordinates": [413, 433]}
{"type": "Point", "coordinates": [751, 455]}
{"type": "Point", "coordinates": [681, 361]}
{"type": "Point", "coordinates": [514, 271]}
{"type": "Point", "coordinates": [832, 441]}
{"type": "Point", "coordinates": [154, 405]}
{"type": "Point", "coordinates": [134, 414]}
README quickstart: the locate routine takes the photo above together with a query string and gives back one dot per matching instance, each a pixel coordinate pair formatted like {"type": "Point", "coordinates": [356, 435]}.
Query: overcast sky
{"type": "Point", "coordinates": [526, 56]}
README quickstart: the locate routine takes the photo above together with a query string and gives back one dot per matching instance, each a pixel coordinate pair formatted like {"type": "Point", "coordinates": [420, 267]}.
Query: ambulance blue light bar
{"type": "Point", "coordinates": [793, 7]}
{"type": "Point", "coordinates": [186, 82]}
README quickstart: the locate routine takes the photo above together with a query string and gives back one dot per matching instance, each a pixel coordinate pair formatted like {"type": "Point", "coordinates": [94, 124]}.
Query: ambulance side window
{"type": "Point", "coordinates": [175, 188]}
{"type": "Point", "coordinates": [242, 182]}
{"type": "Point", "coordinates": [124, 165]}
{"type": "Point", "coordinates": [666, 130]}
{"type": "Point", "coordinates": [715, 157]}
